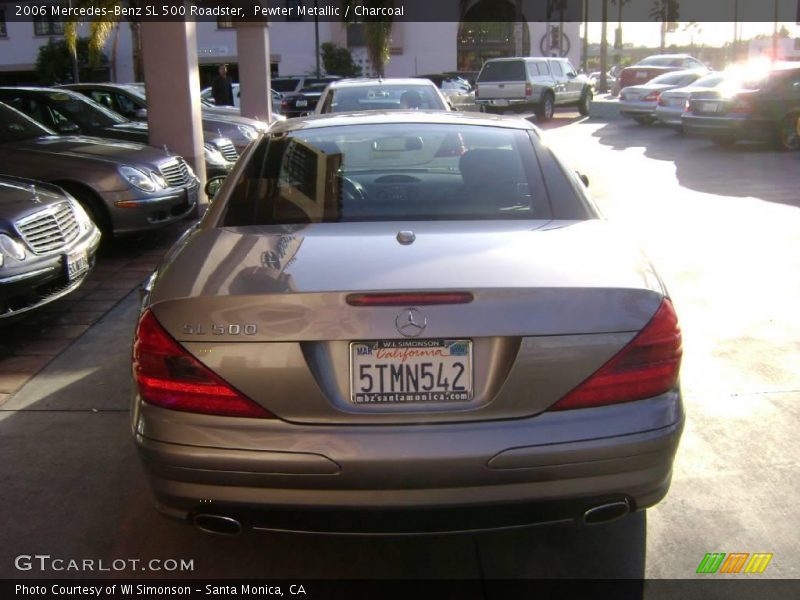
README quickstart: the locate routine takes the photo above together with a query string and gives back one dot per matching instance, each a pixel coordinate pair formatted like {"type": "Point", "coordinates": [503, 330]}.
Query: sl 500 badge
{"type": "Point", "coordinates": [214, 329]}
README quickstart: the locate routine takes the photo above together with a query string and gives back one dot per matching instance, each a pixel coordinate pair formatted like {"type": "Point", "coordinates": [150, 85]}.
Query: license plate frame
{"type": "Point", "coordinates": [432, 384]}
{"type": "Point", "coordinates": [76, 264]}
{"type": "Point", "coordinates": [501, 102]}
{"type": "Point", "coordinates": [707, 107]}
{"type": "Point", "coordinates": [301, 103]}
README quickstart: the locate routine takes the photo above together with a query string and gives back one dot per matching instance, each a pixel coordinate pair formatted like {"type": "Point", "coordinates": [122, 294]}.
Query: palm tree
{"type": "Point", "coordinates": [618, 37]}
{"type": "Point", "coordinates": [604, 50]}
{"type": "Point", "coordinates": [101, 31]}
{"type": "Point", "coordinates": [377, 33]}
{"type": "Point", "coordinates": [665, 11]}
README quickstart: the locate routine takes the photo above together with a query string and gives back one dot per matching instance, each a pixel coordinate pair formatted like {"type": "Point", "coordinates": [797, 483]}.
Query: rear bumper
{"type": "Point", "coordinates": [408, 479]}
{"type": "Point", "coordinates": [669, 116]}
{"type": "Point", "coordinates": [637, 109]}
{"type": "Point", "coordinates": [727, 127]}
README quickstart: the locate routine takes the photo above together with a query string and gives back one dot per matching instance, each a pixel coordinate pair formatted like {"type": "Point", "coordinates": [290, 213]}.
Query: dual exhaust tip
{"type": "Point", "coordinates": [226, 525]}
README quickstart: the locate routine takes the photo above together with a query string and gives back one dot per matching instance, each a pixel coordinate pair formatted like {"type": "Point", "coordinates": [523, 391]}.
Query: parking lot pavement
{"type": "Point", "coordinates": [31, 342]}
{"type": "Point", "coordinates": [723, 227]}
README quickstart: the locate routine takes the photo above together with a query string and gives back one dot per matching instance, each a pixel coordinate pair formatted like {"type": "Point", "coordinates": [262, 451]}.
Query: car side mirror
{"type": "Point", "coordinates": [571, 75]}
{"type": "Point", "coordinates": [583, 178]}
{"type": "Point", "coordinates": [213, 186]}
{"type": "Point", "coordinates": [140, 113]}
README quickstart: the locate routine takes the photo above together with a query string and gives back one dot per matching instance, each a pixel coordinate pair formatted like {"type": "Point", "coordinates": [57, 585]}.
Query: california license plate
{"type": "Point", "coordinates": [301, 103]}
{"type": "Point", "coordinates": [707, 107]}
{"type": "Point", "coordinates": [77, 264]}
{"type": "Point", "coordinates": [410, 371]}
{"type": "Point", "coordinates": [641, 74]}
{"type": "Point", "coordinates": [501, 102]}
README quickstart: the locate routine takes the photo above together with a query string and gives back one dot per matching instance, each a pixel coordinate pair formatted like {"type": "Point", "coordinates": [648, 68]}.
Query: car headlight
{"type": "Point", "coordinates": [248, 132]}
{"type": "Point", "coordinates": [160, 181]}
{"type": "Point", "coordinates": [214, 156]}
{"type": "Point", "coordinates": [11, 248]}
{"type": "Point", "coordinates": [137, 178]}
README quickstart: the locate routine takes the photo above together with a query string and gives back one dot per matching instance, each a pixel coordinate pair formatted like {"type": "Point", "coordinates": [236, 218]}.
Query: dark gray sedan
{"type": "Point", "coordinates": [125, 187]}
{"type": "Point", "coordinates": [405, 321]}
{"type": "Point", "coordinates": [47, 245]}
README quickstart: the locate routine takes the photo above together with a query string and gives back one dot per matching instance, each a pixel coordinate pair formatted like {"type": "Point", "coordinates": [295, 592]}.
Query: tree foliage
{"type": "Point", "coordinates": [377, 33]}
{"type": "Point", "coordinates": [54, 61]}
{"type": "Point", "coordinates": [338, 61]}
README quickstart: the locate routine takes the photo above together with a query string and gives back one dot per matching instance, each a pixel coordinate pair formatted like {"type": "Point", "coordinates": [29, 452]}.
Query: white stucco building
{"type": "Point", "coordinates": [417, 48]}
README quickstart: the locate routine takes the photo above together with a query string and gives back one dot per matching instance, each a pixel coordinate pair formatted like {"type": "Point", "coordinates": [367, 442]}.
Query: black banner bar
{"type": "Point", "coordinates": [787, 11]}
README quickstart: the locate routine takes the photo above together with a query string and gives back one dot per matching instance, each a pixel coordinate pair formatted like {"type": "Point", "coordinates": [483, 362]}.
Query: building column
{"type": "Point", "coordinates": [172, 81]}
{"type": "Point", "coordinates": [252, 49]}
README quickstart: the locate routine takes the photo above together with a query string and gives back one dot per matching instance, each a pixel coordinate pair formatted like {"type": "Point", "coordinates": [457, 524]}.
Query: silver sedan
{"type": "Point", "coordinates": [640, 101]}
{"type": "Point", "coordinates": [672, 103]}
{"type": "Point", "coordinates": [402, 322]}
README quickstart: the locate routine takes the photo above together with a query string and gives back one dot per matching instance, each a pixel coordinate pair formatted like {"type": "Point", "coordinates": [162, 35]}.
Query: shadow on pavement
{"type": "Point", "coordinates": [740, 170]}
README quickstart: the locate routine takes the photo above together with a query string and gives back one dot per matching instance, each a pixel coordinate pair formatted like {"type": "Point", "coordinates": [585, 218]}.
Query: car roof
{"type": "Point", "coordinates": [432, 117]}
{"type": "Point", "coordinates": [362, 81]}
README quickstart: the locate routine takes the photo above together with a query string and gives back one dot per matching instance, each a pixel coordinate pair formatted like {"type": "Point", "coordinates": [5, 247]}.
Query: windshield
{"type": "Point", "coordinates": [82, 111]}
{"type": "Point", "coordinates": [389, 172]}
{"type": "Point", "coordinates": [14, 126]}
{"type": "Point", "coordinates": [383, 97]}
{"type": "Point", "coordinates": [285, 85]}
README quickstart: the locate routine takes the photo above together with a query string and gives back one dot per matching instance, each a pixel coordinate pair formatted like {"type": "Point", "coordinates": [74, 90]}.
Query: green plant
{"type": "Point", "coordinates": [54, 61]}
{"type": "Point", "coordinates": [338, 61]}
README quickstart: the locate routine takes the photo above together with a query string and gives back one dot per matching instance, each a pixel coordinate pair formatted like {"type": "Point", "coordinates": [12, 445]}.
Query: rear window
{"type": "Point", "coordinates": [383, 97]}
{"type": "Point", "coordinates": [660, 61]}
{"type": "Point", "coordinates": [503, 70]}
{"type": "Point", "coordinates": [285, 85]}
{"type": "Point", "coordinates": [389, 172]}
{"type": "Point", "coordinates": [674, 79]}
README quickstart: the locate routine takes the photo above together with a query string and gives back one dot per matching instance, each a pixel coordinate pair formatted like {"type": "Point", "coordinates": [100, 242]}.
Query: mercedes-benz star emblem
{"type": "Point", "coordinates": [411, 322]}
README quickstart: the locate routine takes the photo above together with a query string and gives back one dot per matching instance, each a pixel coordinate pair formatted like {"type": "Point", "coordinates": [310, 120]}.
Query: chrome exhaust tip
{"type": "Point", "coordinates": [217, 524]}
{"type": "Point", "coordinates": [605, 513]}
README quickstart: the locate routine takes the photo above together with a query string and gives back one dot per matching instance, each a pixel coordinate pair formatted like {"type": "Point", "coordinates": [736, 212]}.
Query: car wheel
{"type": "Point", "coordinates": [544, 112]}
{"type": "Point", "coordinates": [585, 105]}
{"type": "Point", "coordinates": [788, 138]}
{"type": "Point", "coordinates": [94, 206]}
{"type": "Point", "coordinates": [643, 120]}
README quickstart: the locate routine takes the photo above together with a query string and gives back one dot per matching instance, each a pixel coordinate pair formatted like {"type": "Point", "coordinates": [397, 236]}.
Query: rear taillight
{"type": "Point", "coordinates": [661, 101]}
{"type": "Point", "coordinates": [652, 97]}
{"type": "Point", "coordinates": [477, 90]}
{"type": "Point", "coordinates": [169, 377]}
{"type": "Point", "coordinates": [409, 299]}
{"type": "Point", "coordinates": [528, 89]}
{"type": "Point", "coordinates": [285, 104]}
{"type": "Point", "coordinates": [740, 105]}
{"type": "Point", "coordinates": [646, 367]}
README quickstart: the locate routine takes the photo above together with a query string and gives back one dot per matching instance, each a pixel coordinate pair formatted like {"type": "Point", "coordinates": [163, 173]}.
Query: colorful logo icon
{"type": "Point", "coordinates": [733, 563]}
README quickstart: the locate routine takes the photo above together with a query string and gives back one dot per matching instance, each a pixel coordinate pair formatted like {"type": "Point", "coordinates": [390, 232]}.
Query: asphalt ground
{"type": "Point", "coordinates": [722, 225]}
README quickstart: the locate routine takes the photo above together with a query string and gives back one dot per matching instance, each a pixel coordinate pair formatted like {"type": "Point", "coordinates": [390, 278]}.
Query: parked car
{"type": "Point", "coordinates": [594, 80]}
{"type": "Point", "coordinates": [672, 103]}
{"type": "Point", "coordinates": [765, 108]}
{"type": "Point", "coordinates": [655, 65]}
{"type": "Point", "coordinates": [640, 101]}
{"type": "Point", "coordinates": [456, 90]}
{"type": "Point", "coordinates": [533, 84]}
{"type": "Point", "coordinates": [289, 84]}
{"type": "Point", "coordinates": [494, 354]}
{"type": "Point", "coordinates": [207, 97]}
{"type": "Point", "coordinates": [296, 104]}
{"type": "Point", "coordinates": [130, 100]}
{"type": "Point", "coordinates": [126, 187]}
{"type": "Point", "coordinates": [69, 112]}
{"type": "Point", "coordinates": [355, 95]}
{"type": "Point", "coordinates": [47, 244]}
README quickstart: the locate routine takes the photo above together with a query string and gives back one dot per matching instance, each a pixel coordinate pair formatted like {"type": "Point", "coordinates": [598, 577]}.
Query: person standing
{"type": "Point", "coordinates": [222, 88]}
